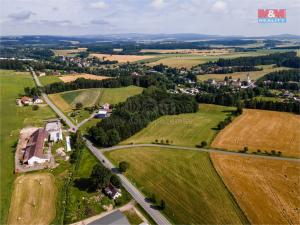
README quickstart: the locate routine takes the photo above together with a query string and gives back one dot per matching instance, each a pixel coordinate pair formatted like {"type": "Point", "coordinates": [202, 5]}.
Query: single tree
{"type": "Point", "coordinates": [35, 107]}
{"type": "Point", "coordinates": [203, 144]}
{"type": "Point", "coordinates": [100, 176]}
{"type": "Point", "coordinates": [162, 204]}
{"type": "Point", "coordinates": [115, 180]}
{"type": "Point", "coordinates": [123, 166]}
{"type": "Point", "coordinates": [153, 198]}
{"type": "Point", "coordinates": [78, 105]}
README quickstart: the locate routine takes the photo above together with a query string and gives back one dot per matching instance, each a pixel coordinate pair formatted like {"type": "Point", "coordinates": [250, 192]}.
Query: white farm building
{"type": "Point", "coordinates": [54, 130]}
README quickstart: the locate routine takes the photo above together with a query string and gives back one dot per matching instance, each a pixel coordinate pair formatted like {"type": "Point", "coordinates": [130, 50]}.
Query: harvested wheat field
{"type": "Point", "coordinates": [33, 200]}
{"type": "Point", "coordinates": [262, 130]}
{"type": "Point", "coordinates": [122, 58]}
{"type": "Point", "coordinates": [72, 77]}
{"type": "Point", "coordinates": [267, 190]}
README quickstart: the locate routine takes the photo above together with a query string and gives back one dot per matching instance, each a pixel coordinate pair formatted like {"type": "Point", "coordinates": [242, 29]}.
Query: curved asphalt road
{"type": "Point", "coordinates": [135, 193]}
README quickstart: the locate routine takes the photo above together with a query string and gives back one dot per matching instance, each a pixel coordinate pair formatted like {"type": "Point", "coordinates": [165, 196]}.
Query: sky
{"type": "Point", "coordinates": [96, 17]}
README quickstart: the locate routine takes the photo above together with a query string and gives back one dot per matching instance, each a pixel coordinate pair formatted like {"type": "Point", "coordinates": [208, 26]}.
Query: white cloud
{"type": "Point", "coordinates": [219, 7]}
{"type": "Point", "coordinates": [158, 3]}
{"type": "Point", "coordinates": [98, 5]}
{"type": "Point", "coordinates": [22, 15]}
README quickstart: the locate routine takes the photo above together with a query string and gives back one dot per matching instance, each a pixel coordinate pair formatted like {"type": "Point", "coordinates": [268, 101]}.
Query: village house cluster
{"type": "Point", "coordinates": [25, 101]}
{"type": "Point", "coordinates": [234, 83]}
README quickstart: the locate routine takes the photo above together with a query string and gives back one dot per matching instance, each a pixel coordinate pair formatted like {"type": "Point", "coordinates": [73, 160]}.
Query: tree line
{"type": "Point", "coordinates": [273, 105]}
{"type": "Point", "coordinates": [282, 76]}
{"type": "Point", "coordinates": [288, 59]}
{"type": "Point", "coordinates": [137, 112]}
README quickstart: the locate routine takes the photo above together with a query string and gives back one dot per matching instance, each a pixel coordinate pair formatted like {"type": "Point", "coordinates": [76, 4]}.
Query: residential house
{"type": "Point", "coordinates": [26, 100]}
{"type": "Point", "coordinates": [37, 100]}
{"type": "Point", "coordinates": [101, 114]}
{"type": "Point", "coordinates": [106, 106]}
{"type": "Point", "coordinates": [54, 130]}
{"type": "Point", "coordinates": [112, 191]}
{"type": "Point", "coordinates": [34, 150]}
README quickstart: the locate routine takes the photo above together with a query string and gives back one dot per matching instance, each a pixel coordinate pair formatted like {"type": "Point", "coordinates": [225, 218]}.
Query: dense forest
{"type": "Point", "coordinates": [273, 105]}
{"type": "Point", "coordinates": [282, 75]}
{"type": "Point", "coordinates": [284, 79]}
{"type": "Point", "coordinates": [288, 59]}
{"type": "Point", "coordinates": [81, 83]}
{"type": "Point", "coordinates": [8, 64]}
{"type": "Point", "coordinates": [26, 53]}
{"type": "Point", "coordinates": [137, 112]}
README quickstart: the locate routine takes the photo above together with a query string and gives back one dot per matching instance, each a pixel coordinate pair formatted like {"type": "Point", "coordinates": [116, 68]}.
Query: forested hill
{"type": "Point", "coordinates": [137, 112]}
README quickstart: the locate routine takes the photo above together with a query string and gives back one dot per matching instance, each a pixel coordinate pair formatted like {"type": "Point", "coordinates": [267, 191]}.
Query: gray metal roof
{"type": "Point", "coordinates": [115, 218]}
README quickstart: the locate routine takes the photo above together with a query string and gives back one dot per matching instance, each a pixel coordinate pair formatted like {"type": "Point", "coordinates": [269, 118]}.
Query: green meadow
{"type": "Point", "coordinates": [184, 129]}
{"type": "Point", "coordinates": [13, 118]}
{"type": "Point", "coordinates": [187, 182]}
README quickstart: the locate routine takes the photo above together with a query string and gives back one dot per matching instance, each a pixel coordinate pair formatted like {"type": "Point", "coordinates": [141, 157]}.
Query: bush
{"type": "Point", "coordinates": [115, 180]}
{"type": "Point", "coordinates": [203, 143]}
{"type": "Point", "coordinates": [35, 107]}
{"type": "Point", "coordinates": [78, 105]}
{"type": "Point", "coordinates": [123, 166]}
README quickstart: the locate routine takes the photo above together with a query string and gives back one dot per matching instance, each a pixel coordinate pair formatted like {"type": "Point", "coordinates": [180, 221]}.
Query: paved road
{"type": "Point", "coordinates": [55, 109]}
{"type": "Point", "coordinates": [135, 193]}
{"type": "Point", "coordinates": [202, 150]}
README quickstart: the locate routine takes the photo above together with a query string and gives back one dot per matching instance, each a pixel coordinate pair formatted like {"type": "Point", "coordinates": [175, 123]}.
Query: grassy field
{"type": "Point", "coordinates": [184, 129]}
{"type": "Point", "coordinates": [45, 80]}
{"type": "Point", "coordinates": [88, 97]}
{"type": "Point", "coordinates": [254, 75]}
{"type": "Point", "coordinates": [189, 60]}
{"type": "Point", "coordinates": [117, 95]}
{"type": "Point", "coordinates": [66, 101]}
{"type": "Point", "coordinates": [258, 129]}
{"type": "Point", "coordinates": [267, 190]}
{"type": "Point", "coordinates": [12, 119]}
{"type": "Point", "coordinates": [33, 199]}
{"type": "Point", "coordinates": [185, 180]}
